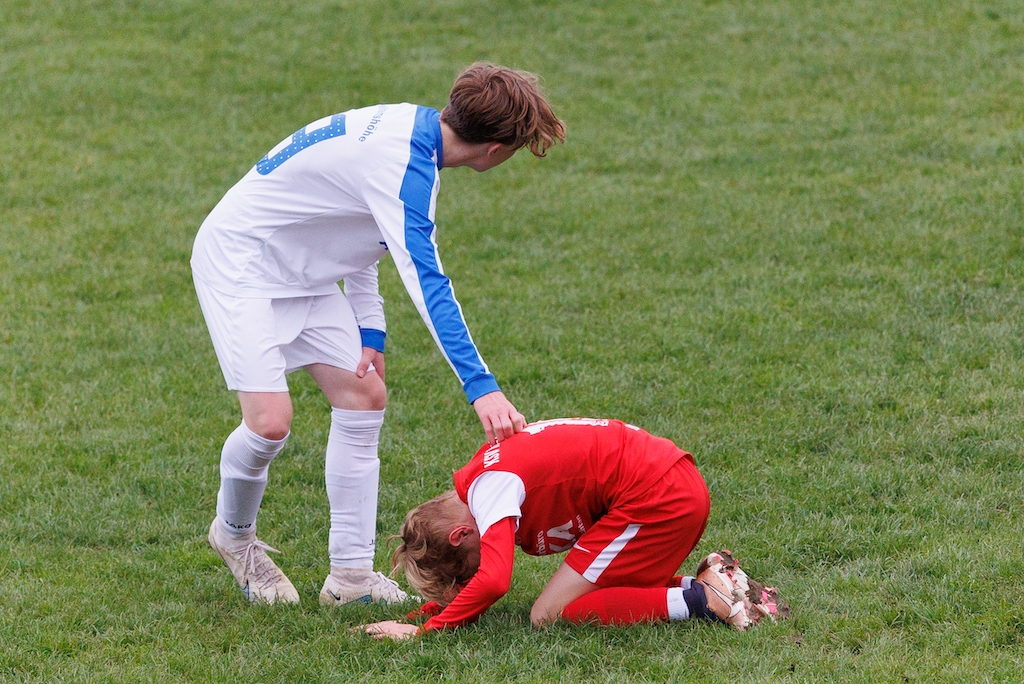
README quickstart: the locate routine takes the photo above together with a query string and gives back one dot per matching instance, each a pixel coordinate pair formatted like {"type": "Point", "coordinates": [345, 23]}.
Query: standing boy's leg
{"type": "Point", "coordinates": [246, 457]}
{"type": "Point", "coordinates": [351, 473]}
{"type": "Point", "coordinates": [245, 460]}
{"type": "Point", "coordinates": [246, 335]}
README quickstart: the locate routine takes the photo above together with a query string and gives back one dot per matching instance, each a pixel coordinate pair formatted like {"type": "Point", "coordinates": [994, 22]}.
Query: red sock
{"type": "Point", "coordinates": [619, 606]}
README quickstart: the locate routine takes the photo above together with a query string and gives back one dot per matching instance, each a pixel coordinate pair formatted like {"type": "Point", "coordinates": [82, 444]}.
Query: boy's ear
{"type": "Point", "coordinates": [459, 534]}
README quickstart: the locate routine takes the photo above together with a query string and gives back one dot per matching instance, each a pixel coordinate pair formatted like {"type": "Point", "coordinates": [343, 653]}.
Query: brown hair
{"type": "Point", "coordinates": [491, 103]}
{"type": "Point", "coordinates": [432, 566]}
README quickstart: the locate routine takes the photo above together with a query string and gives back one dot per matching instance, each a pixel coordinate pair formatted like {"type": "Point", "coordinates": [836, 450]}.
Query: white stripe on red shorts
{"type": "Point", "coordinates": [609, 553]}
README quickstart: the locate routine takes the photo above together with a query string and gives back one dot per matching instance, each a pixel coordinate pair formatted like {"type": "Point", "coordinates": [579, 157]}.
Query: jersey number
{"type": "Point", "coordinates": [561, 532]}
{"type": "Point", "coordinates": [324, 129]}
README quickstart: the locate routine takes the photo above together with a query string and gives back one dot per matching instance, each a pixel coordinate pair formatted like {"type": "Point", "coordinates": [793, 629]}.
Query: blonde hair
{"type": "Point", "coordinates": [491, 103]}
{"type": "Point", "coordinates": [433, 567]}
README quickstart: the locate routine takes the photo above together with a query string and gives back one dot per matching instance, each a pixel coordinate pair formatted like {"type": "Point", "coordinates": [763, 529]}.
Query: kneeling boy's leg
{"type": "Point", "coordinates": [633, 552]}
{"type": "Point", "coordinates": [643, 543]}
{"type": "Point", "coordinates": [631, 605]}
{"type": "Point", "coordinates": [564, 587]}
{"type": "Point", "coordinates": [569, 596]}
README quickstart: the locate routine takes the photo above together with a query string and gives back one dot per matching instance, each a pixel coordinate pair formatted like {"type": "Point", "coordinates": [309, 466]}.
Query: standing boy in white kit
{"type": "Point", "coordinates": [322, 207]}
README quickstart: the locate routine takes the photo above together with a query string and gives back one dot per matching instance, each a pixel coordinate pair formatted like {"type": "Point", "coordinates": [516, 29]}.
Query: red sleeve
{"type": "Point", "coordinates": [490, 583]}
{"type": "Point", "coordinates": [430, 609]}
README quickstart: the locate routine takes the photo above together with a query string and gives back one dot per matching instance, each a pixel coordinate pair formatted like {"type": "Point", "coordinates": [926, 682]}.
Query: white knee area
{"type": "Point", "coordinates": [244, 462]}
{"type": "Point", "coordinates": [352, 474]}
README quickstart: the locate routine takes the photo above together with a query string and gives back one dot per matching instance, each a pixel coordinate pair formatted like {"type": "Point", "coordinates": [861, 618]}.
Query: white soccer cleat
{"type": "Point", "coordinates": [360, 585]}
{"type": "Point", "coordinates": [721, 597]}
{"type": "Point", "coordinates": [258, 577]}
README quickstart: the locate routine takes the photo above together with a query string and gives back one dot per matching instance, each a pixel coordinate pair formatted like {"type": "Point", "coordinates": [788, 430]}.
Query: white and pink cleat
{"type": "Point", "coordinates": [736, 599]}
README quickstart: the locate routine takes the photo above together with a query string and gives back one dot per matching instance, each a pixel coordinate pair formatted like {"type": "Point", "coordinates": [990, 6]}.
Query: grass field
{"type": "Point", "coordinates": [788, 234]}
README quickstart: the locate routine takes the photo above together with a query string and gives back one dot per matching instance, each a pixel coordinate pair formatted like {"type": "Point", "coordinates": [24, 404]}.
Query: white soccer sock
{"type": "Point", "coordinates": [678, 609]}
{"type": "Point", "coordinates": [352, 473]}
{"type": "Point", "coordinates": [244, 462]}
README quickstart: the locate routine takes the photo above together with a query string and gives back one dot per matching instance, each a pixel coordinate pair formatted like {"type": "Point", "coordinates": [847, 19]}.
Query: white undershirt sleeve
{"type": "Point", "coordinates": [494, 496]}
{"type": "Point", "coordinates": [367, 304]}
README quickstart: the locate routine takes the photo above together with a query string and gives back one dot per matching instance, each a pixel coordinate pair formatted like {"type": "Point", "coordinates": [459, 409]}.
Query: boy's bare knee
{"type": "Point", "coordinates": [269, 415]}
{"type": "Point", "coordinates": [367, 393]}
{"type": "Point", "coordinates": [273, 427]}
{"type": "Point", "coordinates": [375, 394]}
{"type": "Point", "coordinates": [275, 432]}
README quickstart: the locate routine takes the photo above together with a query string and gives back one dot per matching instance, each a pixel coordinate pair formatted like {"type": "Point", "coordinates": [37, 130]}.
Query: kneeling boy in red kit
{"type": "Point", "coordinates": [627, 506]}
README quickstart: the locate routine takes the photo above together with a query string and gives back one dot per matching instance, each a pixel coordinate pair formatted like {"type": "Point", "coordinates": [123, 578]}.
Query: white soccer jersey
{"type": "Point", "coordinates": [324, 206]}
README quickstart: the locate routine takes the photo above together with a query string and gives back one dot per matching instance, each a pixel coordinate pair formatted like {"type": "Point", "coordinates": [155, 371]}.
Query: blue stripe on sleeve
{"type": "Point", "coordinates": [444, 311]}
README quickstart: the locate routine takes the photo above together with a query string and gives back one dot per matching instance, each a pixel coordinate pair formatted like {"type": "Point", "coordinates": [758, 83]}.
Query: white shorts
{"type": "Point", "coordinates": [259, 341]}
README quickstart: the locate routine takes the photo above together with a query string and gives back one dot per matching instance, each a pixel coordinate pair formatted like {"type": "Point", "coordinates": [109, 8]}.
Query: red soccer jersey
{"type": "Point", "coordinates": [574, 470]}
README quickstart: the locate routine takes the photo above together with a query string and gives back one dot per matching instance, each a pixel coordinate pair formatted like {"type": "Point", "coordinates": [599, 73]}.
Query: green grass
{"type": "Point", "coordinates": [788, 235]}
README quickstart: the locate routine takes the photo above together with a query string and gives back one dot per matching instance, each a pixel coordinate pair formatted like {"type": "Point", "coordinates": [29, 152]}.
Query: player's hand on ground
{"type": "Point", "coordinates": [389, 629]}
{"type": "Point", "coordinates": [371, 356]}
{"type": "Point", "coordinates": [500, 418]}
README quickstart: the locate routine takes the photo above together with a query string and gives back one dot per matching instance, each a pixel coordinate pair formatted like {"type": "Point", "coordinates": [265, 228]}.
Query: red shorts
{"type": "Point", "coordinates": [642, 543]}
